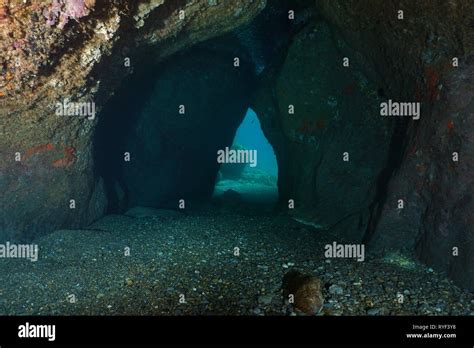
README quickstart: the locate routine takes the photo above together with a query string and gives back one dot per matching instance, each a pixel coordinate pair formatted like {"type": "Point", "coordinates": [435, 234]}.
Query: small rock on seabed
{"type": "Point", "coordinates": [216, 263]}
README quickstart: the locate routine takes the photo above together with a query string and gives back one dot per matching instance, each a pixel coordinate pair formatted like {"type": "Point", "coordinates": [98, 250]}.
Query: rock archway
{"type": "Point", "coordinates": [345, 167]}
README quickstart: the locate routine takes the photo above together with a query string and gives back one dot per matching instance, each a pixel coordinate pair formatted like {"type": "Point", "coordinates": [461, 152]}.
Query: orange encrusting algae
{"type": "Point", "coordinates": [69, 154]}
{"type": "Point", "coordinates": [68, 159]}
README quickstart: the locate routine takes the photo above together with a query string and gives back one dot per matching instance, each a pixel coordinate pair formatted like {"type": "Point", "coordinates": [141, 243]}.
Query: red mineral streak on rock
{"type": "Point", "coordinates": [309, 127]}
{"type": "Point", "coordinates": [321, 124]}
{"type": "Point", "coordinates": [69, 154]}
{"type": "Point", "coordinates": [450, 125]}
{"type": "Point", "coordinates": [68, 159]}
{"type": "Point", "coordinates": [38, 149]}
{"type": "Point", "coordinates": [350, 89]}
{"type": "Point", "coordinates": [418, 94]}
{"type": "Point", "coordinates": [304, 127]}
{"type": "Point", "coordinates": [432, 80]}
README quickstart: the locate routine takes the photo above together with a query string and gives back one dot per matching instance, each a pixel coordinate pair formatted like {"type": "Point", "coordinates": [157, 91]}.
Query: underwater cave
{"type": "Point", "coordinates": [240, 159]}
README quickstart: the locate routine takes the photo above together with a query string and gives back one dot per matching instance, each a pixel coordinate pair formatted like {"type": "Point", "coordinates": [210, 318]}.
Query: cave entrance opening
{"type": "Point", "coordinates": [248, 169]}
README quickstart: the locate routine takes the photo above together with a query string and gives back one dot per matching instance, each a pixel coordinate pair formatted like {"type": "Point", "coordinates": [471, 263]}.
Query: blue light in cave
{"type": "Point", "coordinates": [250, 135]}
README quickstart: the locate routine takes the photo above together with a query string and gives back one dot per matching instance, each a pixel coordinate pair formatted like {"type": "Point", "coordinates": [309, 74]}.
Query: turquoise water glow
{"type": "Point", "coordinates": [250, 135]}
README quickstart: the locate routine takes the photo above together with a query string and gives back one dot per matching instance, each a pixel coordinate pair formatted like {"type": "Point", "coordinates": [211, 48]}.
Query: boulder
{"type": "Point", "coordinates": [306, 290]}
{"type": "Point", "coordinates": [434, 67]}
{"type": "Point", "coordinates": [315, 113]}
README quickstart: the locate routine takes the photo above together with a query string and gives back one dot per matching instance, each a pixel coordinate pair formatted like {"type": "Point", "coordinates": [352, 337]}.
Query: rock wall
{"type": "Point", "coordinates": [405, 56]}
{"type": "Point", "coordinates": [413, 58]}
{"type": "Point", "coordinates": [437, 189]}
{"type": "Point", "coordinates": [322, 119]}
{"type": "Point", "coordinates": [56, 51]}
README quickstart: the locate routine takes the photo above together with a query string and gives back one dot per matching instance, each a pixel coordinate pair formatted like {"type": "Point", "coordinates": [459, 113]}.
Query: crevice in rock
{"type": "Point", "coordinates": [396, 152]}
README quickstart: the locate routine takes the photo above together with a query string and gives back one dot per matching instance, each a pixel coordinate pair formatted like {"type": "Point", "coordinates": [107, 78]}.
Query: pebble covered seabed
{"type": "Point", "coordinates": [88, 272]}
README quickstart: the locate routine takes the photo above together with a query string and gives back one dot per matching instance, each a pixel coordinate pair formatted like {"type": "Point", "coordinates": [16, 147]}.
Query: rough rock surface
{"type": "Point", "coordinates": [437, 216]}
{"type": "Point", "coordinates": [306, 290]}
{"type": "Point", "coordinates": [55, 51]}
{"type": "Point", "coordinates": [413, 58]}
{"type": "Point", "coordinates": [335, 112]}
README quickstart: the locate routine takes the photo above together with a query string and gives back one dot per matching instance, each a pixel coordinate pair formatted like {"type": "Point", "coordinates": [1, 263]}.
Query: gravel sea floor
{"type": "Point", "coordinates": [218, 261]}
